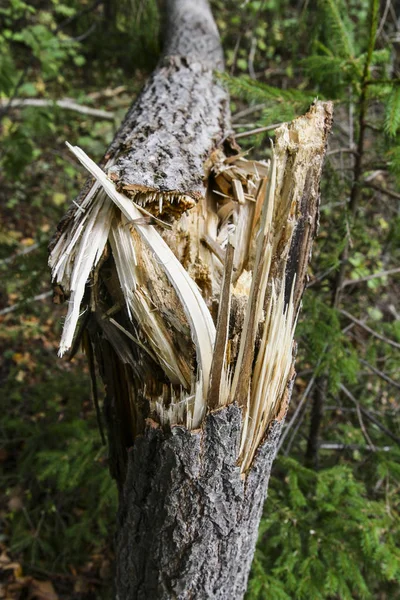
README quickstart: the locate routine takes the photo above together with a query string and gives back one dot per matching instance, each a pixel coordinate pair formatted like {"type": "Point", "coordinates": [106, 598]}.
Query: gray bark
{"type": "Point", "coordinates": [188, 517]}
{"type": "Point", "coordinates": [180, 116]}
{"type": "Point", "coordinates": [181, 113]}
{"type": "Point", "coordinates": [188, 520]}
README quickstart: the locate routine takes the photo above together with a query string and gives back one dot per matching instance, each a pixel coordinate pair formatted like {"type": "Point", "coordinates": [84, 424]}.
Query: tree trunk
{"type": "Point", "coordinates": [190, 262]}
{"type": "Point", "coordinates": [188, 521]}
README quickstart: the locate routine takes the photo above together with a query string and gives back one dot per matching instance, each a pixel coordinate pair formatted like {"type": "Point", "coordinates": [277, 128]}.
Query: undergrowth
{"type": "Point", "coordinates": [331, 533]}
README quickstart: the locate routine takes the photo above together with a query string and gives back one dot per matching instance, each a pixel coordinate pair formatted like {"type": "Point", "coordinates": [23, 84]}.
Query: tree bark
{"type": "Point", "coordinates": [198, 363]}
{"type": "Point", "coordinates": [188, 520]}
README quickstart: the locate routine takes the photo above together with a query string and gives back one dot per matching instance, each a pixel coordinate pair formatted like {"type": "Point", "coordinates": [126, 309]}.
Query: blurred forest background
{"type": "Point", "coordinates": [69, 71]}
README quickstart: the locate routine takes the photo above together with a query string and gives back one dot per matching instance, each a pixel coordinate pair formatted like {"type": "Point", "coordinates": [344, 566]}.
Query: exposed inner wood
{"type": "Point", "coordinates": [270, 212]}
{"type": "Point", "coordinates": [189, 261]}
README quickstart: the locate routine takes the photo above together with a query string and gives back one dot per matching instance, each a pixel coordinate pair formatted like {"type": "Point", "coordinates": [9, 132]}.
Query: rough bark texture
{"type": "Point", "coordinates": [188, 515]}
{"type": "Point", "coordinates": [165, 150]}
{"type": "Point", "coordinates": [181, 113]}
{"type": "Point", "coordinates": [188, 520]}
{"type": "Point", "coordinates": [180, 116]}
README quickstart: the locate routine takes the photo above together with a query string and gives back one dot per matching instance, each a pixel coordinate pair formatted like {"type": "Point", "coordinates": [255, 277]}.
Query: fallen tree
{"type": "Point", "coordinates": [190, 262]}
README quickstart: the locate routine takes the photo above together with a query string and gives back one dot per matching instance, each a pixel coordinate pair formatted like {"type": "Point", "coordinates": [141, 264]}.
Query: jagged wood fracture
{"type": "Point", "coordinates": [185, 263]}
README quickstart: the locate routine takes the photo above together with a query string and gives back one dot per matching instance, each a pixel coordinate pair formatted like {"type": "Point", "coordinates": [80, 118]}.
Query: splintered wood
{"type": "Point", "coordinates": [198, 295]}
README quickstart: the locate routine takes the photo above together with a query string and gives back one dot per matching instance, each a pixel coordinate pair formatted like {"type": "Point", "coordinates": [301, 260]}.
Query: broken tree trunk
{"type": "Point", "coordinates": [190, 262]}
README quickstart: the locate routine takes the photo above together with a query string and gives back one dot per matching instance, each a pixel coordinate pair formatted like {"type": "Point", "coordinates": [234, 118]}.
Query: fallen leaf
{"type": "Point", "coordinates": [18, 357]}
{"type": "Point", "coordinates": [28, 241]}
{"type": "Point", "coordinates": [20, 376]}
{"type": "Point", "coordinates": [15, 504]}
{"type": "Point", "coordinates": [42, 590]}
{"type": "Point", "coordinates": [7, 564]}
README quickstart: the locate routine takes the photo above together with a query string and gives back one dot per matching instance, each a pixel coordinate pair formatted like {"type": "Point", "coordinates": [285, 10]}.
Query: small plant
{"type": "Point", "coordinates": [323, 537]}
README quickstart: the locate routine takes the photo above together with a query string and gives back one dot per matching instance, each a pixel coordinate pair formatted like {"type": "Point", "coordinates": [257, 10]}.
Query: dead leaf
{"type": "Point", "coordinates": [42, 590]}
{"type": "Point", "coordinates": [20, 376]}
{"type": "Point", "coordinates": [7, 564]}
{"type": "Point", "coordinates": [28, 241]}
{"type": "Point", "coordinates": [15, 504]}
{"type": "Point", "coordinates": [18, 357]}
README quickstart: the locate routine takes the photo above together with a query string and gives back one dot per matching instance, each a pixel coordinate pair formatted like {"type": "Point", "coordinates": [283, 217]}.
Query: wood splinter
{"type": "Point", "coordinates": [201, 343]}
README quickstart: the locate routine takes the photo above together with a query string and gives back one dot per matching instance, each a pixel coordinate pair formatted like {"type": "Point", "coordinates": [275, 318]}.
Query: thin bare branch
{"type": "Point", "coordinates": [66, 104]}
{"type": "Point", "coordinates": [9, 259]}
{"type": "Point", "coordinates": [320, 277]}
{"type": "Point", "coordinates": [248, 111]}
{"type": "Point", "coordinates": [368, 415]}
{"type": "Point", "coordinates": [382, 190]}
{"type": "Point", "coordinates": [297, 411]}
{"type": "Point", "coordinates": [332, 446]}
{"type": "Point", "coordinates": [383, 19]}
{"type": "Point", "coordinates": [295, 430]}
{"type": "Point", "coordinates": [372, 276]}
{"type": "Point", "coordinates": [380, 374]}
{"type": "Point", "coordinates": [364, 429]}
{"type": "Point", "coordinates": [14, 307]}
{"type": "Point", "coordinates": [258, 130]}
{"type": "Point", "coordinates": [379, 336]}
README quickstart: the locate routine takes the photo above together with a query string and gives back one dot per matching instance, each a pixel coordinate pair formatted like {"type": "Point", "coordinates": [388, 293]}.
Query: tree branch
{"type": "Point", "coordinates": [368, 415]}
{"type": "Point", "coordinates": [65, 103]}
{"type": "Point", "coordinates": [377, 335]}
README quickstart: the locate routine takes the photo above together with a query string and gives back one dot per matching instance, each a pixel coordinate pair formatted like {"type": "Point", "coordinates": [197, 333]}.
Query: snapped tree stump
{"type": "Point", "coordinates": [189, 263]}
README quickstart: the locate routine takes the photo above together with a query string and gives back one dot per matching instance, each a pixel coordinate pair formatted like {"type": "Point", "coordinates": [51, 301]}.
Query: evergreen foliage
{"type": "Point", "coordinates": [323, 537]}
{"type": "Point", "coordinates": [335, 533]}
{"type": "Point", "coordinates": [392, 117]}
{"type": "Point", "coordinates": [280, 104]}
{"type": "Point", "coordinates": [62, 498]}
{"type": "Point", "coordinates": [332, 534]}
{"type": "Point", "coordinates": [322, 328]}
